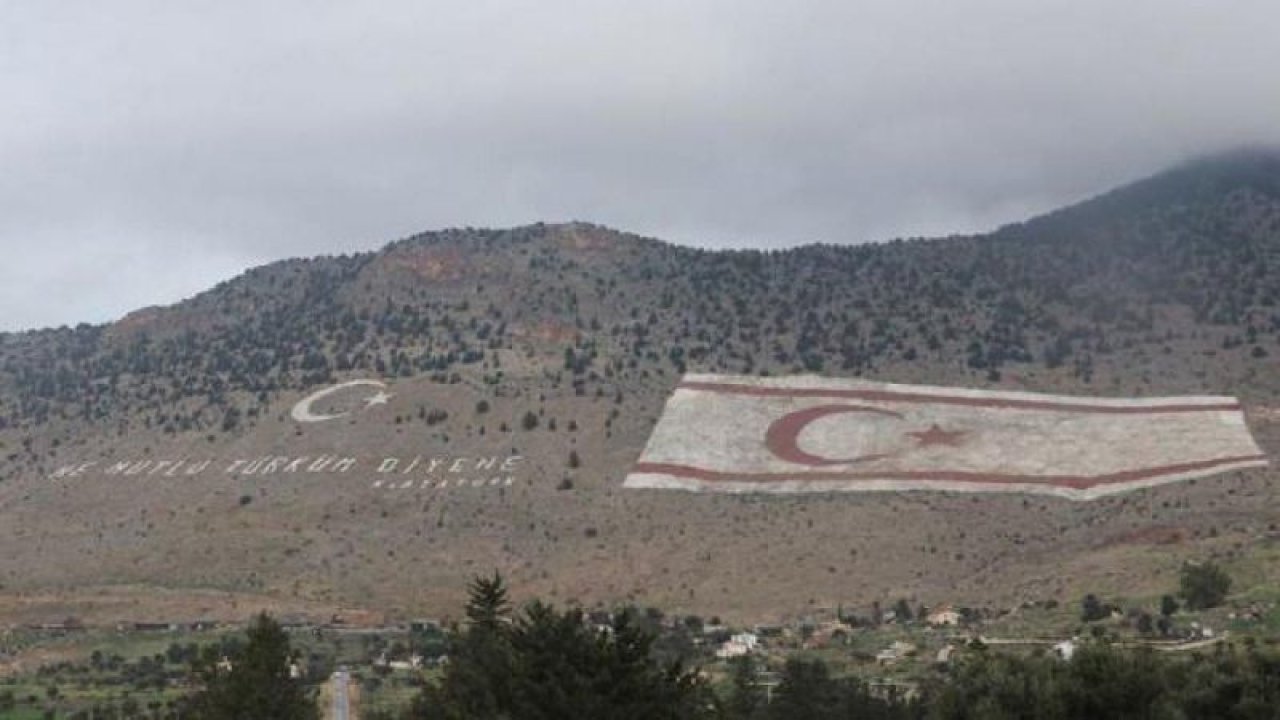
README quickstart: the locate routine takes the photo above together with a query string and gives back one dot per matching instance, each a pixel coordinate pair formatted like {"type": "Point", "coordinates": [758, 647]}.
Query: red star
{"type": "Point", "coordinates": [937, 436]}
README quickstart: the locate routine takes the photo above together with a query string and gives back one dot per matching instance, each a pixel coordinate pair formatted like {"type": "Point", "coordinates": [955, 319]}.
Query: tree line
{"type": "Point", "coordinates": [541, 662]}
{"type": "Point", "coordinates": [544, 663]}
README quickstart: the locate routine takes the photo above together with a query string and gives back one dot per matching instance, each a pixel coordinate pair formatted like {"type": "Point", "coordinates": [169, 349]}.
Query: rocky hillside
{"type": "Point", "coordinates": [558, 344]}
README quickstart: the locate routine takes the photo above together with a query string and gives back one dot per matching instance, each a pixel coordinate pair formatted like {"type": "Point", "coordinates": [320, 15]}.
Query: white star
{"type": "Point", "coordinates": [378, 398]}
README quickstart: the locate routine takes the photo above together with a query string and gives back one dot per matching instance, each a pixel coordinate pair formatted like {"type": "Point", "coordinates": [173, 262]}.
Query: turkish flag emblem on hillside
{"type": "Point", "coordinates": [810, 434]}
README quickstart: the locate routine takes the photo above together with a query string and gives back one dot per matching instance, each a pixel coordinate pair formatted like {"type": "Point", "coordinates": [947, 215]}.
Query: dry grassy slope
{"type": "Point", "coordinates": [1146, 286]}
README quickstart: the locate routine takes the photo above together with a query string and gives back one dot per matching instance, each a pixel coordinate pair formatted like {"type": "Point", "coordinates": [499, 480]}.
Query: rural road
{"type": "Point", "coordinates": [341, 691]}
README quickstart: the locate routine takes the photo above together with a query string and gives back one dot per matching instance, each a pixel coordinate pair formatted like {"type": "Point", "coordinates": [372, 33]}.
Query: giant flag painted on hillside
{"type": "Point", "coordinates": [810, 434]}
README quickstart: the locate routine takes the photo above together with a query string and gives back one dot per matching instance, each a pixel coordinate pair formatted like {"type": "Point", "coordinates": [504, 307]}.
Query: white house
{"type": "Point", "coordinates": [413, 663]}
{"type": "Point", "coordinates": [1065, 649]}
{"type": "Point", "coordinates": [895, 652]}
{"type": "Point", "coordinates": [943, 615]}
{"type": "Point", "coordinates": [739, 645]}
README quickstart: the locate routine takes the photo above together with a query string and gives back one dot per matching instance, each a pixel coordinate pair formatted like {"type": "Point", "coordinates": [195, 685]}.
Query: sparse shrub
{"type": "Point", "coordinates": [1093, 609]}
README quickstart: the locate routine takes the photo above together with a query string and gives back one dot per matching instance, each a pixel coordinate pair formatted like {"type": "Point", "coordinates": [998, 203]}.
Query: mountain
{"type": "Point", "coordinates": [536, 359]}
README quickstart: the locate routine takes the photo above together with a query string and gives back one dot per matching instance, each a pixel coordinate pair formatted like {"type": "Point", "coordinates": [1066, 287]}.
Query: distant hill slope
{"type": "Point", "coordinates": [1167, 285]}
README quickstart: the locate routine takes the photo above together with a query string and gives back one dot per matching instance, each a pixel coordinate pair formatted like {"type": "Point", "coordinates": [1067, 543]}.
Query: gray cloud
{"type": "Point", "coordinates": [152, 148]}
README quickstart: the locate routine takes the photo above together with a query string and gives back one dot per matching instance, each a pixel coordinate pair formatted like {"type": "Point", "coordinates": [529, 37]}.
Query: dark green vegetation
{"type": "Point", "coordinates": [23, 701]}
{"type": "Point", "coordinates": [1204, 585]}
{"type": "Point", "coordinates": [545, 663]}
{"type": "Point", "coordinates": [1187, 253]}
{"type": "Point", "coordinates": [234, 678]}
{"type": "Point", "coordinates": [1101, 682]}
{"type": "Point", "coordinates": [254, 682]}
{"type": "Point", "coordinates": [106, 684]}
{"type": "Point", "coordinates": [541, 662]}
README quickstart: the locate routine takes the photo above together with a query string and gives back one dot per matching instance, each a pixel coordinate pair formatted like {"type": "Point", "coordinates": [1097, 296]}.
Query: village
{"type": "Point", "coordinates": [895, 649]}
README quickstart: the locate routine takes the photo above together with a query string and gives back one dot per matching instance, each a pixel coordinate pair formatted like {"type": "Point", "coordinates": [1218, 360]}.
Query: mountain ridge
{"type": "Point", "coordinates": [1166, 286]}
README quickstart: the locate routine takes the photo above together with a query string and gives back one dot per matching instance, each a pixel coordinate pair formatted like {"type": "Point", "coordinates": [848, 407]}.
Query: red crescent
{"type": "Point", "coordinates": [783, 435]}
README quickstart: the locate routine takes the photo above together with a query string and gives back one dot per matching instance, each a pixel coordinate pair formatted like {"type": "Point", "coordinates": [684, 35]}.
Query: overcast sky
{"type": "Point", "coordinates": [150, 149]}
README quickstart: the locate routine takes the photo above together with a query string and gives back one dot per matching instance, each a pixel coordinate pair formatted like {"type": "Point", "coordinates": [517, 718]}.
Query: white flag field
{"type": "Point", "coordinates": [796, 434]}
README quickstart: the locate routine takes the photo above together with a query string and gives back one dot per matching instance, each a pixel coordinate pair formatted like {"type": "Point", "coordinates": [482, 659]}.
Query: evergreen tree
{"type": "Point", "coordinates": [902, 610]}
{"type": "Point", "coordinates": [550, 664]}
{"type": "Point", "coordinates": [1204, 586]}
{"type": "Point", "coordinates": [257, 684]}
{"type": "Point", "coordinates": [488, 607]}
{"type": "Point", "coordinates": [806, 691]}
{"type": "Point", "coordinates": [477, 684]}
{"type": "Point", "coordinates": [1092, 609]}
{"type": "Point", "coordinates": [746, 700]}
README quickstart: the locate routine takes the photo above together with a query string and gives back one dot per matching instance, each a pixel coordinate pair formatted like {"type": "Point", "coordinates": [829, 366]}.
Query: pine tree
{"type": "Point", "coordinates": [477, 684]}
{"type": "Point", "coordinates": [258, 682]}
{"type": "Point", "coordinates": [745, 700]}
{"type": "Point", "coordinates": [547, 663]}
{"type": "Point", "coordinates": [488, 606]}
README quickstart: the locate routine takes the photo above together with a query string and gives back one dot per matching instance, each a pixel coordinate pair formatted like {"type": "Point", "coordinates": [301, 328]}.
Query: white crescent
{"type": "Point", "coordinates": [302, 409]}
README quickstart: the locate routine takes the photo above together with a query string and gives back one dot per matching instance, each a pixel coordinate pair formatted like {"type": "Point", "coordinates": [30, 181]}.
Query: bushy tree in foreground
{"type": "Point", "coordinates": [1204, 585]}
{"type": "Point", "coordinates": [257, 684]}
{"type": "Point", "coordinates": [808, 691]}
{"type": "Point", "coordinates": [544, 663]}
{"type": "Point", "coordinates": [746, 698]}
{"type": "Point", "coordinates": [1106, 683]}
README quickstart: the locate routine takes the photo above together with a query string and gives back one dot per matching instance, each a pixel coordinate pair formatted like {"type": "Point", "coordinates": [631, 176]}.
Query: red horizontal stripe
{"type": "Point", "coordinates": [1078, 482]}
{"type": "Point", "coordinates": [898, 396]}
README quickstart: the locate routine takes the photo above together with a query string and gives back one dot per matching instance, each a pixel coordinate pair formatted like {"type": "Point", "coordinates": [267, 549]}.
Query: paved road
{"type": "Point", "coordinates": [341, 703]}
{"type": "Point", "coordinates": [1161, 645]}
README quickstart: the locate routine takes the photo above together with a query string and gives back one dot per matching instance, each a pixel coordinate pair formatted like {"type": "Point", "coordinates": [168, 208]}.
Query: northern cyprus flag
{"type": "Point", "coordinates": [810, 434]}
